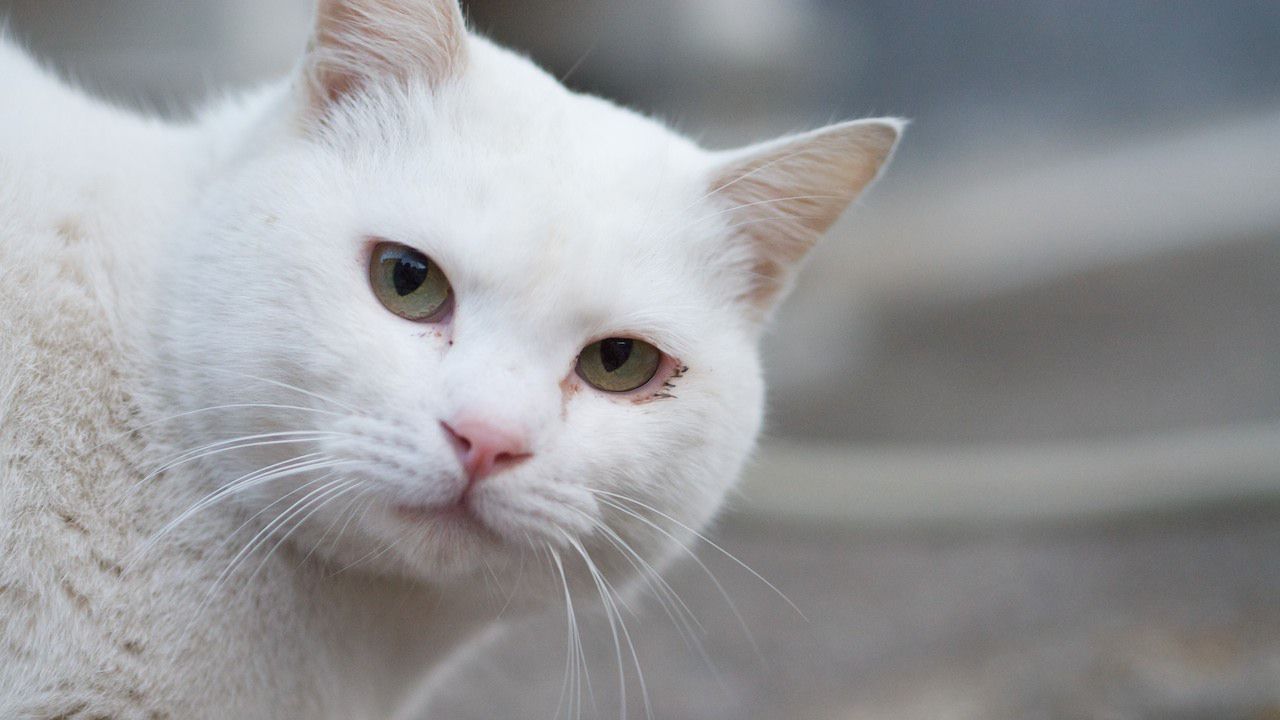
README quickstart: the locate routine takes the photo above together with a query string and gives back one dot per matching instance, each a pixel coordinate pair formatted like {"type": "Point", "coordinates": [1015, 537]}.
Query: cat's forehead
{"type": "Point", "coordinates": [600, 253]}
{"type": "Point", "coordinates": [519, 188]}
{"type": "Point", "coordinates": [507, 132]}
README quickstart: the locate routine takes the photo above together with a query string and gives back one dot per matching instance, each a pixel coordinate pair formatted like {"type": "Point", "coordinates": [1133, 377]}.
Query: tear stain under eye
{"type": "Point", "coordinates": [568, 389]}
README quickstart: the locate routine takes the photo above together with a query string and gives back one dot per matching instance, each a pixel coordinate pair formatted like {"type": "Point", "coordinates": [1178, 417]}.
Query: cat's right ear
{"type": "Point", "coordinates": [780, 196]}
{"type": "Point", "coordinates": [357, 43]}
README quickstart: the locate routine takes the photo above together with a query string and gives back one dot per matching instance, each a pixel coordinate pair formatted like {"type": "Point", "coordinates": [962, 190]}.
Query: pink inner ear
{"type": "Point", "coordinates": [783, 195]}
{"type": "Point", "coordinates": [357, 42]}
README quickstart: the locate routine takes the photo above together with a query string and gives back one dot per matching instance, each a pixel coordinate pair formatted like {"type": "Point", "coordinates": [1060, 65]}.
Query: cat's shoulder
{"type": "Point", "coordinates": [62, 147]}
{"type": "Point", "coordinates": [68, 208]}
{"type": "Point", "coordinates": [80, 181]}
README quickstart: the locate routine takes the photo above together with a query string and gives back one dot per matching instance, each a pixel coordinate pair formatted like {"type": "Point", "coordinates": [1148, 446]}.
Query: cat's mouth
{"type": "Point", "coordinates": [552, 511]}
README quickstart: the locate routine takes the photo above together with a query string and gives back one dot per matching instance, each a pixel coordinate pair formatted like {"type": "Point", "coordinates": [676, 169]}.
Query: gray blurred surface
{"type": "Point", "coordinates": [1171, 341]}
{"type": "Point", "coordinates": [1164, 619]}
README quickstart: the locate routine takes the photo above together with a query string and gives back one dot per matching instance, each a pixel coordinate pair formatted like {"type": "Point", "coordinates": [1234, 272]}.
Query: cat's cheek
{"type": "Point", "coordinates": [440, 335]}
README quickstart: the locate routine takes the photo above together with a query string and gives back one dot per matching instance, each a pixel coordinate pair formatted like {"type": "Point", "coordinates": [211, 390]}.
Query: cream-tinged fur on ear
{"type": "Point", "coordinates": [358, 42]}
{"type": "Point", "coordinates": [782, 195]}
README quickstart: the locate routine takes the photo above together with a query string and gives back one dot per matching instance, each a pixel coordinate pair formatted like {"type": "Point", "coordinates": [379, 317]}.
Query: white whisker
{"type": "Point", "coordinates": [284, 469]}
{"type": "Point", "coordinates": [264, 533]}
{"type": "Point", "coordinates": [573, 679]}
{"type": "Point", "coordinates": [286, 386]}
{"type": "Point", "coordinates": [733, 607]}
{"type": "Point", "coordinates": [211, 408]}
{"type": "Point", "coordinates": [713, 545]}
{"type": "Point", "coordinates": [353, 506]}
{"type": "Point", "coordinates": [616, 622]}
{"type": "Point", "coordinates": [676, 609]}
{"type": "Point", "coordinates": [318, 503]}
{"type": "Point", "coordinates": [238, 443]}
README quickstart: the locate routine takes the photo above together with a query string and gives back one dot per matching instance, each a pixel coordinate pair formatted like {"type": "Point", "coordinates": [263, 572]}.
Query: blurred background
{"type": "Point", "coordinates": [1023, 457]}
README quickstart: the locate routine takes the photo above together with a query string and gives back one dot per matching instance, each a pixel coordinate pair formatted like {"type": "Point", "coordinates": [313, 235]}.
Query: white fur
{"type": "Point", "coordinates": [150, 272]}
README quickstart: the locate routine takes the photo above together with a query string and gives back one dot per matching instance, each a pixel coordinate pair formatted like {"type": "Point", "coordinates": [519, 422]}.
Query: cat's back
{"type": "Point", "coordinates": [55, 242]}
{"type": "Point", "coordinates": [73, 189]}
{"type": "Point", "coordinates": [74, 170]}
{"type": "Point", "coordinates": [83, 187]}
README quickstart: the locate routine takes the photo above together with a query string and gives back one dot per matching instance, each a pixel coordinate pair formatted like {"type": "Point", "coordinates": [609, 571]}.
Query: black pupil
{"type": "Point", "coordinates": [614, 353]}
{"type": "Point", "coordinates": [409, 275]}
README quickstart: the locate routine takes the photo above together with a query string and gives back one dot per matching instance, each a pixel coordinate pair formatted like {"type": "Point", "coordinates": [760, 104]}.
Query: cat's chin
{"type": "Point", "coordinates": [451, 520]}
{"type": "Point", "coordinates": [493, 533]}
{"type": "Point", "coordinates": [438, 547]}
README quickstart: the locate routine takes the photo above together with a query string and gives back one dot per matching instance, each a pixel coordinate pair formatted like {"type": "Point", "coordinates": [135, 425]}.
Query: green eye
{"type": "Point", "coordinates": [619, 364]}
{"type": "Point", "coordinates": [408, 283]}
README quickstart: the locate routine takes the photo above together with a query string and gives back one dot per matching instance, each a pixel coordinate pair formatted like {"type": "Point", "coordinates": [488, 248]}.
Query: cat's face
{"type": "Point", "coordinates": [465, 316]}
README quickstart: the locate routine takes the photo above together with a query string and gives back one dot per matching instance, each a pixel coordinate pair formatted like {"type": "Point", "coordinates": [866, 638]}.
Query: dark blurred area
{"type": "Point", "coordinates": [1024, 443]}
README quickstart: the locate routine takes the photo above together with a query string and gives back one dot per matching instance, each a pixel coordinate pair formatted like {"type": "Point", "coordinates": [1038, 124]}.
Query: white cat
{"type": "Point", "coordinates": [287, 391]}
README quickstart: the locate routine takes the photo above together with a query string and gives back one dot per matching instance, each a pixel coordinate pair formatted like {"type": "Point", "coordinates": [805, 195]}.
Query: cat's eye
{"type": "Point", "coordinates": [408, 283]}
{"type": "Point", "coordinates": [619, 365]}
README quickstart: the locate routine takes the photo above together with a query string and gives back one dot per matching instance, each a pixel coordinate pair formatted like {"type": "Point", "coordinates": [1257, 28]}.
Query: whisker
{"type": "Point", "coordinates": [283, 498]}
{"type": "Point", "coordinates": [371, 555]}
{"type": "Point", "coordinates": [733, 607]}
{"type": "Point", "coordinates": [239, 443]}
{"type": "Point", "coordinates": [579, 665]}
{"type": "Point", "coordinates": [276, 471]}
{"type": "Point", "coordinates": [318, 504]}
{"type": "Point", "coordinates": [349, 512]}
{"type": "Point", "coordinates": [676, 609]}
{"type": "Point", "coordinates": [306, 461]}
{"type": "Point", "coordinates": [515, 586]}
{"type": "Point", "coordinates": [609, 610]}
{"type": "Point", "coordinates": [286, 386]}
{"type": "Point", "coordinates": [568, 640]}
{"type": "Point", "coordinates": [211, 408]}
{"type": "Point", "coordinates": [607, 594]}
{"type": "Point", "coordinates": [708, 541]}
{"type": "Point", "coordinates": [269, 528]}
{"type": "Point", "coordinates": [363, 512]}
{"type": "Point", "coordinates": [578, 63]}
{"type": "Point", "coordinates": [226, 573]}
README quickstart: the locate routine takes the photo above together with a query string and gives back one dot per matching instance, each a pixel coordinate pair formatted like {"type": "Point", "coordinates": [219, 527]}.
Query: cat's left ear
{"type": "Point", "coordinates": [783, 195]}
{"type": "Point", "coordinates": [362, 42]}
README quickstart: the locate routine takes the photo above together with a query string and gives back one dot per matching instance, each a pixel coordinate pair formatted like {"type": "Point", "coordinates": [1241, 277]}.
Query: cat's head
{"type": "Point", "coordinates": [459, 315]}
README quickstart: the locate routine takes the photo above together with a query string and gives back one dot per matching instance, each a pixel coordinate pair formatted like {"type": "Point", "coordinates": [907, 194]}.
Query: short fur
{"type": "Point", "coordinates": [167, 287]}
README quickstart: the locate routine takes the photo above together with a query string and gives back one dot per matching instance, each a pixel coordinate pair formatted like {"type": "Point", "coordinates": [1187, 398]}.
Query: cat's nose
{"type": "Point", "coordinates": [485, 447]}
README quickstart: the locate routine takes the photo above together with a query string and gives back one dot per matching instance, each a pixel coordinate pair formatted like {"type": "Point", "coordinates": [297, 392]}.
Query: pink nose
{"type": "Point", "coordinates": [485, 447]}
